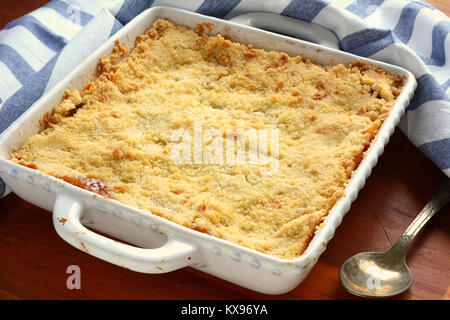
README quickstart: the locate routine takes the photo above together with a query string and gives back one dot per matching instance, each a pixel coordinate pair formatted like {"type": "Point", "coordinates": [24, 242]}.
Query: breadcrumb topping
{"type": "Point", "coordinates": [115, 135]}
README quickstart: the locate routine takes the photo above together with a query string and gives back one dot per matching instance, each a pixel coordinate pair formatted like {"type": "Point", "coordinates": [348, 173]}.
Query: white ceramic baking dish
{"type": "Point", "coordinates": [161, 245]}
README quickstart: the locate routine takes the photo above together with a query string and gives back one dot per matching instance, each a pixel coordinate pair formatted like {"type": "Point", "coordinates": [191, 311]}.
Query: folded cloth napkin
{"type": "Point", "coordinates": [39, 49]}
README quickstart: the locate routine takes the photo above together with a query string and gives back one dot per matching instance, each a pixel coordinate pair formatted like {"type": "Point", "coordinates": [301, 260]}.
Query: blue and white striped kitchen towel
{"type": "Point", "coordinates": [37, 50]}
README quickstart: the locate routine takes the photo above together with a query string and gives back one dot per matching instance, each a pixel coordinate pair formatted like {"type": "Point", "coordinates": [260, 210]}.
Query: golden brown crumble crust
{"type": "Point", "coordinates": [114, 135]}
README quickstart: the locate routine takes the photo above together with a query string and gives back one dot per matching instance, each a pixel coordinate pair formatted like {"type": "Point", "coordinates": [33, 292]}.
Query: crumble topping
{"type": "Point", "coordinates": [114, 137]}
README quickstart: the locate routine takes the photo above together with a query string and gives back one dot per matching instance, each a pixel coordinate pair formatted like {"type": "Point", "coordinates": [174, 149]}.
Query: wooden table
{"type": "Point", "coordinates": [33, 259]}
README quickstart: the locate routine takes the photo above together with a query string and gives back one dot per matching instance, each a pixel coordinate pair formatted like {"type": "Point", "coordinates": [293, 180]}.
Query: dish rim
{"type": "Point", "coordinates": [334, 216]}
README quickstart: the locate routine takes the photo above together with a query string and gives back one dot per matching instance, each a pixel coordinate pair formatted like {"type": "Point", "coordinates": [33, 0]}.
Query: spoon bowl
{"type": "Point", "coordinates": [375, 274]}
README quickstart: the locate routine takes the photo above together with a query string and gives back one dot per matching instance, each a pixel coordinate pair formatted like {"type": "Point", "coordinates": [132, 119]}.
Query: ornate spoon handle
{"type": "Point", "coordinates": [439, 199]}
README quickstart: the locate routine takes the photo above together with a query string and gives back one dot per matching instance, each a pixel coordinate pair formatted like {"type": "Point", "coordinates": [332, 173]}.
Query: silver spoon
{"type": "Point", "coordinates": [385, 274]}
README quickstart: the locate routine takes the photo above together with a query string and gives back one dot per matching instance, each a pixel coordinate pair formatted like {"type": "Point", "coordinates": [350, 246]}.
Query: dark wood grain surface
{"type": "Point", "coordinates": [33, 259]}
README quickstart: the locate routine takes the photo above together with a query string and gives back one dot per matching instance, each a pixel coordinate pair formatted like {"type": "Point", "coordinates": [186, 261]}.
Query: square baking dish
{"type": "Point", "coordinates": [162, 245]}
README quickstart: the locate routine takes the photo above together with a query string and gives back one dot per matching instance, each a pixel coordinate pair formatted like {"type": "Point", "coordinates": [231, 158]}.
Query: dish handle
{"type": "Point", "coordinates": [176, 253]}
{"type": "Point", "coordinates": [289, 26]}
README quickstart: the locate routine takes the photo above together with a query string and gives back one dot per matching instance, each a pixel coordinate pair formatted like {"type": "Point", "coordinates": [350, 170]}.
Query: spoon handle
{"type": "Point", "coordinates": [439, 199]}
